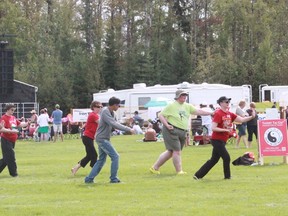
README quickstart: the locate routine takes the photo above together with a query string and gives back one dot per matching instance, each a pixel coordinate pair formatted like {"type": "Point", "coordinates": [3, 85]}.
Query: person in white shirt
{"type": "Point", "coordinates": [137, 128]}
{"type": "Point", "coordinates": [207, 120]}
{"type": "Point", "coordinates": [43, 124]}
{"type": "Point", "coordinates": [242, 127]}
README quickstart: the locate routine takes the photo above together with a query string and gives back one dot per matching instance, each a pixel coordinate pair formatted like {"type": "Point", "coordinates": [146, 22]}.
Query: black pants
{"type": "Point", "coordinates": [252, 129]}
{"type": "Point", "coordinates": [8, 159]}
{"type": "Point", "coordinates": [91, 153]}
{"type": "Point", "coordinates": [219, 150]}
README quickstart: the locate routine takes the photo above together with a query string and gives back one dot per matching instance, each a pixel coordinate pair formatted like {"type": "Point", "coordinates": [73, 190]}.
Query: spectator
{"type": "Point", "coordinates": [206, 120]}
{"type": "Point", "coordinates": [34, 117]}
{"type": "Point", "coordinates": [137, 128]}
{"type": "Point", "coordinates": [33, 122]}
{"type": "Point", "coordinates": [57, 115]}
{"type": "Point", "coordinates": [156, 124]}
{"type": "Point", "coordinates": [252, 125]}
{"type": "Point", "coordinates": [137, 118]}
{"type": "Point", "coordinates": [212, 107]}
{"type": "Point", "coordinates": [241, 127]}
{"type": "Point", "coordinates": [43, 123]}
{"type": "Point", "coordinates": [150, 134]}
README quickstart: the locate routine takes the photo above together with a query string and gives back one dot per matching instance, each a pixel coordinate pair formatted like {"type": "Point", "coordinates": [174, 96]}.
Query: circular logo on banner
{"type": "Point", "coordinates": [273, 136]}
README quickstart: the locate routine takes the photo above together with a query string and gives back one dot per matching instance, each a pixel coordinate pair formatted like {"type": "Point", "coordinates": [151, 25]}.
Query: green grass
{"type": "Point", "coordinates": [45, 185]}
{"type": "Point", "coordinates": [261, 106]}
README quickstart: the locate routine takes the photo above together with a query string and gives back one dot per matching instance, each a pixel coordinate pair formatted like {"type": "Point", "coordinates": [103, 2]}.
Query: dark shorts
{"type": "Point", "coordinates": [174, 139]}
{"type": "Point", "coordinates": [241, 129]}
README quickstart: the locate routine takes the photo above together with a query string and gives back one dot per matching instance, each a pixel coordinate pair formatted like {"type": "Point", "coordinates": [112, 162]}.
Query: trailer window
{"type": "Point", "coordinates": [142, 101]}
{"type": "Point", "coordinates": [267, 95]}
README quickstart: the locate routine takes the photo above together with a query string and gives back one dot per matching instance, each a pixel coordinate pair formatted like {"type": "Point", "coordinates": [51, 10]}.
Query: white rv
{"type": "Point", "coordinates": [273, 93]}
{"type": "Point", "coordinates": [136, 98]}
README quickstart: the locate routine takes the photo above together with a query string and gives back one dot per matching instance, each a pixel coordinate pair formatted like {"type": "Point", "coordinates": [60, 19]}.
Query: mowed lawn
{"type": "Point", "coordinates": [45, 185]}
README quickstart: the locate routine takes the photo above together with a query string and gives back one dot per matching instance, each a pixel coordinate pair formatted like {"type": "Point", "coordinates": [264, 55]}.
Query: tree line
{"type": "Point", "coordinates": [71, 49]}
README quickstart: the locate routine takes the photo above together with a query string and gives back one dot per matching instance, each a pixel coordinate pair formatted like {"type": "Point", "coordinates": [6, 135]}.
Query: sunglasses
{"type": "Point", "coordinates": [99, 107]}
{"type": "Point", "coordinates": [227, 101]}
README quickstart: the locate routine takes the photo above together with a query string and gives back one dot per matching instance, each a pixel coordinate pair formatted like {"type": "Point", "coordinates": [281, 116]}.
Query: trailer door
{"type": "Point", "coordinates": [267, 95]}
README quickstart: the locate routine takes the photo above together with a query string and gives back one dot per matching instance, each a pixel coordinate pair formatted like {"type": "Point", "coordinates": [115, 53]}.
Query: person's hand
{"type": "Point", "coordinates": [229, 130]}
{"type": "Point", "coordinates": [14, 131]}
{"type": "Point", "coordinates": [170, 127]}
{"type": "Point", "coordinates": [1, 125]}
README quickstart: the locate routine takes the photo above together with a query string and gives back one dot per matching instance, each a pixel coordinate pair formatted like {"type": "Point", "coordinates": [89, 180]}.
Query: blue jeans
{"type": "Point", "coordinates": [105, 148]}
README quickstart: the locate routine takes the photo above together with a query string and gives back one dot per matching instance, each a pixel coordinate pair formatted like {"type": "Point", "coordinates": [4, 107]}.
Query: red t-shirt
{"type": "Point", "coordinates": [10, 122]}
{"type": "Point", "coordinates": [91, 125]}
{"type": "Point", "coordinates": [224, 120]}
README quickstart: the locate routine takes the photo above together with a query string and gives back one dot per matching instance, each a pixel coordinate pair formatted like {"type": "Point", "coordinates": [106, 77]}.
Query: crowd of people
{"type": "Point", "coordinates": [43, 127]}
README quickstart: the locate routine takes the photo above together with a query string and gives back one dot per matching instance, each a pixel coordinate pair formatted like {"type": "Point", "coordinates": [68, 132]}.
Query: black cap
{"type": "Point", "coordinates": [223, 98]}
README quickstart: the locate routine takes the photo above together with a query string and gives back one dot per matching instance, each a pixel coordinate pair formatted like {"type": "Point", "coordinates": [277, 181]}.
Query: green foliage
{"type": "Point", "coordinates": [111, 61]}
{"type": "Point", "coordinates": [181, 60]}
{"type": "Point", "coordinates": [85, 46]}
{"type": "Point", "coordinates": [45, 185]}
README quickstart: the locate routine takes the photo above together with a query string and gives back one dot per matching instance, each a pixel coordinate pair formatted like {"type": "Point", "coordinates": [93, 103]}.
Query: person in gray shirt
{"type": "Point", "coordinates": [105, 147]}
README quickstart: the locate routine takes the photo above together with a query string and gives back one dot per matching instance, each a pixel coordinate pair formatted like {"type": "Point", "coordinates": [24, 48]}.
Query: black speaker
{"type": "Point", "coordinates": [6, 71]}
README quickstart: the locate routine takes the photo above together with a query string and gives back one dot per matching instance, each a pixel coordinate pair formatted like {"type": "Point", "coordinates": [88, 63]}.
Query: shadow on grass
{"type": "Point", "coordinates": [99, 184]}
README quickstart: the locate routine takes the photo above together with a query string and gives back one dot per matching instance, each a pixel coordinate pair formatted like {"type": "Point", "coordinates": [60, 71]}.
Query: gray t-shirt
{"type": "Point", "coordinates": [107, 123]}
{"type": "Point", "coordinates": [241, 112]}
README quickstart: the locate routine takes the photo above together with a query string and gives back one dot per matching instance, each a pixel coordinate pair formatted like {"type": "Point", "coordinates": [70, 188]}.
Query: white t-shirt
{"type": "Point", "coordinates": [241, 112]}
{"type": "Point", "coordinates": [43, 120]}
{"type": "Point", "coordinates": [206, 120]}
{"type": "Point", "coordinates": [137, 129]}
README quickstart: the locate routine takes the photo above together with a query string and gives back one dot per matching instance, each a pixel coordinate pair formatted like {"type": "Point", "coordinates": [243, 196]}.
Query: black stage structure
{"type": "Point", "coordinates": [23, 95]}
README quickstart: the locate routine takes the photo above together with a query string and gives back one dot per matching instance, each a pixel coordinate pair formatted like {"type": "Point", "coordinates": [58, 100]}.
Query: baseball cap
{"type": "Point", "coordinates": [179, 93]}
{"type": "Point", "coordinates": [223, 98]}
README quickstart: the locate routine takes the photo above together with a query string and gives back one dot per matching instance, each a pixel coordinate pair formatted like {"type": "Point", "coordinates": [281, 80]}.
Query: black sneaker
{"type": "Point", "coordinates": [115, 181]}
{"type": "Point", "coordinates": [196, 178]}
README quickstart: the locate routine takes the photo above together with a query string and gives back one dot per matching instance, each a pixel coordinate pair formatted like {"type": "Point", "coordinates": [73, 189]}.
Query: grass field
{"type": "Point", "coordinates": [45, 185]}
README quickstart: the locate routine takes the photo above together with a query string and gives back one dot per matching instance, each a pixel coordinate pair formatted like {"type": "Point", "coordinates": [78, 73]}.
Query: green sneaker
{"type": "Point", "coordinates": [181, 173]}
{"type": "Point", "coordinates": [152, 170]}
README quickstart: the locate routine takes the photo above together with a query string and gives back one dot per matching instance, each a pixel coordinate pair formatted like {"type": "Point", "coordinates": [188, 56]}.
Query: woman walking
{"type": "Point", "coordinates": [89, 136]}
{"type": "Point", "coordinates": [221, 127]}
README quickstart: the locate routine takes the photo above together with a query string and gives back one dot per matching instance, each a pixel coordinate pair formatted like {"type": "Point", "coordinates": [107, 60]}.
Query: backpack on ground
{"type": "Point", "coordinates": [247, 159]}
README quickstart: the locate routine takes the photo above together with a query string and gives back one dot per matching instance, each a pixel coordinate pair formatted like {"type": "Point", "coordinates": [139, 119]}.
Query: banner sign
{"type": "Point", "coordinates": [273, 137]}
{"type": "Point", "coordinates": [81, 115]}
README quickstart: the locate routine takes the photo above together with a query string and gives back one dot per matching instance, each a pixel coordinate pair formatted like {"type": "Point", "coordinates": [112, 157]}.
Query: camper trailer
{"type": "Point", "coordinates": [138, 97]}
{"type": "Point", "coordinates": [273, 93]}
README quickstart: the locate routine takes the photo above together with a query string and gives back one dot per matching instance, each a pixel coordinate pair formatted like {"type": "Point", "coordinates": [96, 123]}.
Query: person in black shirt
{"type": "Point", "coordinates": [252, 125]}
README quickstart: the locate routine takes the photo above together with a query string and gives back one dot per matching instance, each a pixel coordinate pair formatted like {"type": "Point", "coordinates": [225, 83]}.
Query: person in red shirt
{"type": "Point", "coordinates": [89, 136]}
{"type": "Point", "coordinates": [9, 135]}
{"type": "Point", "coordinates": [221, 127]}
